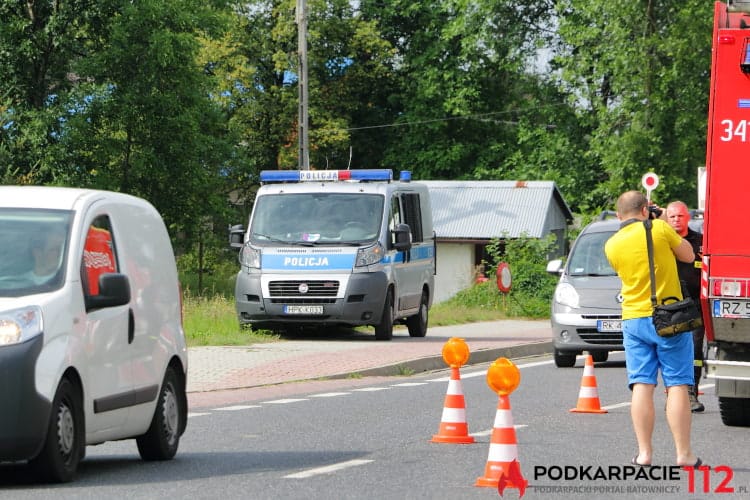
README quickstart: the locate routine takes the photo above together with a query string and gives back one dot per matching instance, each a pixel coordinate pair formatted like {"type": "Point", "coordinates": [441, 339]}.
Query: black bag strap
{"type": "Point", "coordinates": [650, 248]}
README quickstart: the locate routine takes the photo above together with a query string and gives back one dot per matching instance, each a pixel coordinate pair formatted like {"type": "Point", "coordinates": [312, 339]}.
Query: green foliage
{"type": "Point", "coordinates": [211, 320]}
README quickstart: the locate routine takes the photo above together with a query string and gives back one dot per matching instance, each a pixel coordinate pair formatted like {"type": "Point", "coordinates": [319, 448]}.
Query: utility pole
{"type": "Point", "coordinates": [303, 118]}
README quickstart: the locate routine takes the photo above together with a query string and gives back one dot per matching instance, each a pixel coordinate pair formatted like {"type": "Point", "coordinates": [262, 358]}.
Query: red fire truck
{"type": "Point", "coordinates": [725, 280]}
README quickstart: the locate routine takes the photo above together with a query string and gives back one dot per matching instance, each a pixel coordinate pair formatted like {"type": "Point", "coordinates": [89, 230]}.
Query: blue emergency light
{"type": "Point", "coordinates": [326, 175]}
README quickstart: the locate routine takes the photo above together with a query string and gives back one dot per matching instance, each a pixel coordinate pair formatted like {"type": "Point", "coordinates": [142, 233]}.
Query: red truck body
{"type": "Point", "coordinates": [725, 280]}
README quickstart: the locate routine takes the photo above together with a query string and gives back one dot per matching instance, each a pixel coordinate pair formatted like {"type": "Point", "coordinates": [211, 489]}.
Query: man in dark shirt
{"type": "Point", "coordinates": [678, 217]}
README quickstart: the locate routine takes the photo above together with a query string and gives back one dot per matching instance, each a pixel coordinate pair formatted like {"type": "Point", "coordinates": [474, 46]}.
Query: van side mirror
{"type": "Point", "coordinates": [236, 236]}
{"type": "Point", "coordinates": [402, 237]}
{"type": "Point", "coordinates": [114, 290]}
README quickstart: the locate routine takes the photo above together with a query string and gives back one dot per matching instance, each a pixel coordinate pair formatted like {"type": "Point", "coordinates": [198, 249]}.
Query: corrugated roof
{"type": "Point", "coordinates": [492, 209]}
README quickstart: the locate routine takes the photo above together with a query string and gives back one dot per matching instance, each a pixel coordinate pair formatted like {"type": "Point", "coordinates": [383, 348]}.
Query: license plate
{"type": "Point", "coordinates": [732, 309]}
{"type": "Point", "coordinates": [609, 325]}
{"type": "Point", "coordinates": [303, 309]}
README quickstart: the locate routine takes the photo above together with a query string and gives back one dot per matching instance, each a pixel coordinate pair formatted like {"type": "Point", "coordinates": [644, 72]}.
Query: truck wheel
{"type": "Point", "coordinates": [63, 448]}
{"type": "Point", "coordinates": [417, 324]}
{"type": "Point", "coordinates": [161, 440]}
{"type": "Point", "coordinates": [564, 359]}
{"type": "Point", "coordinates": [384, 329]}
{"type": "Point", "coordinates": [735, 411]}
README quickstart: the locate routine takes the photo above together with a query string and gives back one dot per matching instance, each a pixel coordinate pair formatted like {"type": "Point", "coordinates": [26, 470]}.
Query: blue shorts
{"type": "Point", "coordinates": [646, 353]}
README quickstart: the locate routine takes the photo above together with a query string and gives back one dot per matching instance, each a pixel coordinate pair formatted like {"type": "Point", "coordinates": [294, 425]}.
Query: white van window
{"type": "Point", "coordinates": [33, 250]}
{"type": "Point", "coordinates": [99, 255]}
{"type": "Point", "coordinates": [316, 218]}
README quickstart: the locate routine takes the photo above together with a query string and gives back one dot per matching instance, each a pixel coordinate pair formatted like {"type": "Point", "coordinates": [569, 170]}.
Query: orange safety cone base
{"type": "Point", "coordinates": [592, 410]}
{"type": "Point", "coordinates": [437, 438]}
{"type": "Point", "coordinates": [509, 473]}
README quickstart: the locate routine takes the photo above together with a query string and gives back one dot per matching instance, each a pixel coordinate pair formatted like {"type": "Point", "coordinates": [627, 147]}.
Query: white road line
{"type": "Point", "coordinates": [327, 469]}
{"type": "Point", "coordinates": [329, 394]}
{"type": "Point", "coordinates": [617, 405]}
{"type": "Point", "coordinates": [489, 431]}
{"type": "Point", "coordinates": [191, 415]}
{"type": "Point", "coordinates": [284, 401]}
{"type": "Point", "coordinates": [236, 408]}
{"type": "Point", "coordinates": [409, 384]}
{"type": "Point", "coordinates": [370, 389]}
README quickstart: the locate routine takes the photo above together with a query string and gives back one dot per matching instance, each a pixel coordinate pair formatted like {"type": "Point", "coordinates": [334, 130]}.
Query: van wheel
{"type": "Point", "coordinates": [161, 440]}
{"type": "Point", "coordinates": [564, 359]}
{"type": "Point", "coordinates": [417, 324]}
{"type": "Point", "coordinates": [384, 329]}
{"type": "Point", "coordinates": [64, 446]}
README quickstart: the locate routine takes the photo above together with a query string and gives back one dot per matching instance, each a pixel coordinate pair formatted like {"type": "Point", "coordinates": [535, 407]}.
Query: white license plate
{"type": "Point", "coordinates": [732, 309]}
{"type": "Point", "coordinates": [303, 309]}
{"type": "Point", "coordinates": [609, 325]}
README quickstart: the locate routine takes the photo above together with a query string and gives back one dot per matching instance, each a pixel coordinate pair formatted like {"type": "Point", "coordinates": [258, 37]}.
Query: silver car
{"type": "Point", "coordinates": [586, 306]}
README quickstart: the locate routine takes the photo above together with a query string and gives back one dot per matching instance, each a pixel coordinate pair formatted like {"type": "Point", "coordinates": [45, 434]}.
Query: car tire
{"type": "Point", "coordinates": [384, 329]}
{"type": "Point", "coordinates": [417, 324]}
{"type": "Point", "coordinates": [565, 359]}
{"type": "Point", "coordinates": [600, 356]}
{"type": "Point", "coordinates": [64, 446]}
{"type": "Point", "coordinates": [162, 438]}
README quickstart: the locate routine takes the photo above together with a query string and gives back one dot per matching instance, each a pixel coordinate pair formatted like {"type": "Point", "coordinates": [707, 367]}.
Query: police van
{"type": "Point", "coordinates": [337, 247]}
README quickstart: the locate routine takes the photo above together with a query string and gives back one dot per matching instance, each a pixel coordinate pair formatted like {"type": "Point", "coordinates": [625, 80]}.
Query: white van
{"type": "Point", "coordinates": [91, 341]}
{"type": "Point", "coordinates": [337, 247]}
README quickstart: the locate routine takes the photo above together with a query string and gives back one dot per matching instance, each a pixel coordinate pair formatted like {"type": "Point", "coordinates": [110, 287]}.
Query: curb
{"type": "Point", "coordinates": [431, 363]}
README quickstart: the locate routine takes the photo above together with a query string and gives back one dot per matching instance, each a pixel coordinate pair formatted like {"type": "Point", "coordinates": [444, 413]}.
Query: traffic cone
{"type": "Point", "coordinates": [503, 469]}
{"type": "Point", "coordinates": [453, 426]}
{"type": "Point", "coordinates": [588, 396]}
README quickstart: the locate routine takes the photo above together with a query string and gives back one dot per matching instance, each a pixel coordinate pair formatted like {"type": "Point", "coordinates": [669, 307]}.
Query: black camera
{"type": "Point", "coordinates": [654, 212]}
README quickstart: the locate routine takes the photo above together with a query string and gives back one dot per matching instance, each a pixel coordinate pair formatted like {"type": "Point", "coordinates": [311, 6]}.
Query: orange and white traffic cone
{"type": "Point", "coordinates": [453, 426]}
{"type": "Point", "coordinates": [588, 396]}
{"type": "Point", "coordinates": [503, 469]}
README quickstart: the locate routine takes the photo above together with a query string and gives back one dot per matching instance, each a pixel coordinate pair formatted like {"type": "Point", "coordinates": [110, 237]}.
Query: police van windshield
{"type": "Point", "coordinates": [588, 258]}
{"type": "Point", "coordinates": [317, 218]}
{"type": "Point", "coordinates": [33, 249]}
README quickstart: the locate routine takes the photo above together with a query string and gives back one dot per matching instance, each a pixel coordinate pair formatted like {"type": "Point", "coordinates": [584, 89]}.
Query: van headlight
{"type": "Point", "coordinates": [250, 257]}
{"type": "Point", "coordinates": [566, 295]}
{"type": "Point", "coordinates": [370, 255]}
{"type": "Point", "coordinates": [20, 325]}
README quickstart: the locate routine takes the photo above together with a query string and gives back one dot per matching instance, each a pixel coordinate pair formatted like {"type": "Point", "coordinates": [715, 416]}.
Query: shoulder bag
{"type": "Point", "coordinates": [676, 316]}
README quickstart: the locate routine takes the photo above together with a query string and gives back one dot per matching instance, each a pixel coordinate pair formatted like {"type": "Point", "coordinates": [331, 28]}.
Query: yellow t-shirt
{"type": "Point", "coordinates": [627, 252]}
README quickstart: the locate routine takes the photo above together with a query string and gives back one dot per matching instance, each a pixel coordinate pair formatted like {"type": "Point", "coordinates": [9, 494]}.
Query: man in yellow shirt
{"type": "Point", "coordinates": [646, 353]}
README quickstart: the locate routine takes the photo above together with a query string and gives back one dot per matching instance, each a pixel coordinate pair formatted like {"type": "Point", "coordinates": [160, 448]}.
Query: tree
{"type": "Point", "coordinates": [640, 71]}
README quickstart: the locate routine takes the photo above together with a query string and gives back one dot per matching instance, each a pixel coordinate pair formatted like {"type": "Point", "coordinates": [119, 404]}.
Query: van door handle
{"type": "Point", "coordinates": [131, 326]}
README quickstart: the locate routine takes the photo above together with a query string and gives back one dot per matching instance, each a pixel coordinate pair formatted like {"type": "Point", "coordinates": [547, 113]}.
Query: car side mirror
{"type": "Point", "coordinates": [402, 237]}
{"type": "Point", "coordinates": [114, 290]}
{"type": "Point", "coordinates": [555, 266]}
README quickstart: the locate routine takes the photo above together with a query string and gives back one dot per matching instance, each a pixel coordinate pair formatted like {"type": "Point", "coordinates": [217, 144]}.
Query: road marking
{"type": "Point", "coordinates": [284, 401]}
{"type": "Point", "coordinates": [370, 389]}
{"type": "Point", "coordinates": [489, 431]}
{"type": "Point", "coordinates": [327, 469]}
{"type": "Point", "coordinates": [236, 408]}
{"type": "Point", "coordinates": [191, 415]}
{"type": "Point", "coordinates": [409, 384]}
{"type": "Point", "coordinates": [618, 405]}
{"type": "Point", "coordinates": [329, 394]}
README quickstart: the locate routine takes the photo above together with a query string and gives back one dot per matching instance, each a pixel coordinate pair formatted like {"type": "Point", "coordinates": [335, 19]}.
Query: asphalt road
{"type": "Point", "coordinates": [370, 438]}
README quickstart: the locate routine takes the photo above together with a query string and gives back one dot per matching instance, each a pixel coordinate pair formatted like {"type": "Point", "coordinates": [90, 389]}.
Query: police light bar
{"type": "Point", "coordinates": [326, 175]}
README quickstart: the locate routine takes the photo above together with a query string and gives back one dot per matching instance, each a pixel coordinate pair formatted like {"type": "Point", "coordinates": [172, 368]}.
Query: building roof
{"type": "Point", "coordinates": [494, 209]}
